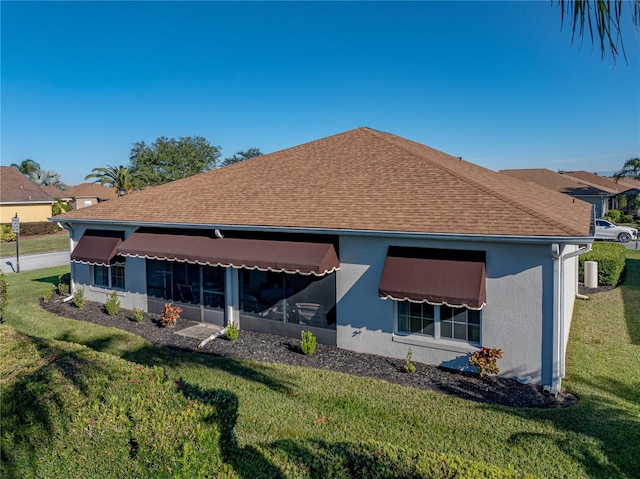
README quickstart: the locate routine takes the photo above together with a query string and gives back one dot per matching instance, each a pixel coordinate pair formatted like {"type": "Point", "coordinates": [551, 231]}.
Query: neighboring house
{"type": "Point", "coordinates": [57, 194]}
{"type": "Point", "coordinates": [372, 242]}
{"type": "Point", "coordinates": [567, 185]}
{"type": "Point", "coordinates": [89, 194]}
{"type": "Point", "coordinates": [19, 195]}
{"type": "Point", "coordinates": [616, 188]}
{"type": "Point", "coordinates": [632, 192]}
{"type": "Point", "coordinates": [628, 183]}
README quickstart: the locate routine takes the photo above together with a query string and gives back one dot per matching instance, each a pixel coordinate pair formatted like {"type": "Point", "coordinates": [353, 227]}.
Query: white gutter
{"type": "Point", "coordinates": [349, 232]}
{"type": "Point", "coordinates": [67, 227]}
{"type": "Point", "coordinates": [559, 349]}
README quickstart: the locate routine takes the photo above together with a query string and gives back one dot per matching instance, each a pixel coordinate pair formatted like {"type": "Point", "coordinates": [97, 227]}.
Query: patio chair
{"type": "Point", "coordinates": [186, 293]}
{"type": "Point", "coordinates": [250, 304]}
{"type": "Point", "coordinates": [311, 313]}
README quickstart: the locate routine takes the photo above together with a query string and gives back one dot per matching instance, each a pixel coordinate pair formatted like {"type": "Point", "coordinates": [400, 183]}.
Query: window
{"type": "Point", "coordinates": [460, 323]}
{"type": "Point", "coordinates": [291, 298]}
{"type": "Point", "coordinates": [111, 276]}
{"type": "Point", "coordinates": [416, 318]}
{"type": "Point", "coordinates": [186, 283]}
{"type": "Point", "coordinates": [101, 275]}
{"type": "Point", "coordinates": [117, 276]}
{"type": "Point", "coordinates": [439, 322]}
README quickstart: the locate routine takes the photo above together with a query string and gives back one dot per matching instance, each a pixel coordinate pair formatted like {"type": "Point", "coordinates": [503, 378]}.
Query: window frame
{"type": "Point", "coordinates": [437, 324]}
{"type": "Point", "coordinates": [112, 278]}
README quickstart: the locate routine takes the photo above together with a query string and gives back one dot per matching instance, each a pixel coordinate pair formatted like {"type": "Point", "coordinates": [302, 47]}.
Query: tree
{"type": "Point", "coordinates": [241, 156]}
{"type": "Point", "coordinates": [47, 178]}
{"type": "Point", "coordinates": [630, 169]}
{"type": "Point", "coordinates": [604, 17]}
{"type": "Point", "coordinates": [118, 177]}
{"type": "Point", "coordinates": [27, 167]}
{"type": "Point", "coordinates": [168, 159]}
{"type": "Point", "coordinates": [32, 170]}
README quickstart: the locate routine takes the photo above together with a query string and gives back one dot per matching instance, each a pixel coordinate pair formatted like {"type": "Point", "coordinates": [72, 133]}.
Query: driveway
{"type": "Point", "coordinates": [34, 261]}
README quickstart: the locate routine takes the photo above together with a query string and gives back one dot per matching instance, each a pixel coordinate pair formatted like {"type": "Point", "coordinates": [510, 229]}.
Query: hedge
{"type": "Point", "coordinates": [37, 228]}
{"type": "Point", "coordinates": [610, 258]}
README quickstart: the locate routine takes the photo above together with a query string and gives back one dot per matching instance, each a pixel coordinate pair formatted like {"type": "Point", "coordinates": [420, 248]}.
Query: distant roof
{"type": "Point", "coordinates": [628, 183]}
{"type": "Point", "coordinates": [602, 182]}
{"type": "Point", "coordinates": [55, 192]}
{"type": "Point", "coordinates": [15, 187]}
{"type": "Point", "coordinates": [363, 180]}
{"type": "Point", "coordinates": [556, 182]}
{"type": "Point", "coordinates": [93, 190]}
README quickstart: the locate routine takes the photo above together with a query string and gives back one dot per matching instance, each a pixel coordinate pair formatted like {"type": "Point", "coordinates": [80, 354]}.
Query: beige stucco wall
{"type": "Point", "coordinates": [27, 213]}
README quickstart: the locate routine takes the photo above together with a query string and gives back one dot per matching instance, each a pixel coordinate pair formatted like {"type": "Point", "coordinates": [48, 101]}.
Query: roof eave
{"type": "Point", "coordinates": [350, 232]}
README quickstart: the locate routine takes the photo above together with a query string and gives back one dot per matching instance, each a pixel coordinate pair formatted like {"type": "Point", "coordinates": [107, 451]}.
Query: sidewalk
{"type": "Point", "coordinates": [34, 261]}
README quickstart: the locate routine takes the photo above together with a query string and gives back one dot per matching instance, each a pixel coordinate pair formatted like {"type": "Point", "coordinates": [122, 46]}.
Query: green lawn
{"type": "Point", "coordinates": [395, 430]}
{"type": "Point", "coordinates": [37, 244]}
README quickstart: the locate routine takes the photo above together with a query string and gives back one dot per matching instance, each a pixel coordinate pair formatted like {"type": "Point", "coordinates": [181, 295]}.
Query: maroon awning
{"type": "Point", "coordinates": [96, 248]}
{"type": "Point", "coordinates": [281, 256]}
{"type": "Point", "coordinates": [434, 281]}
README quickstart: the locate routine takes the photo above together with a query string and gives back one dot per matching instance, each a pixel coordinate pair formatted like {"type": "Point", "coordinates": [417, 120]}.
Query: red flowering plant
{"type": "Point", "coordinates": [486, 361]}
{"type": "Point", "coordinates": [170, 315]}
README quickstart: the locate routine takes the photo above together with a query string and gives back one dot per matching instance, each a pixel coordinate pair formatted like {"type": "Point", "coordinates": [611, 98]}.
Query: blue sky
{"type": "Point", "coordinates": [498, 83]}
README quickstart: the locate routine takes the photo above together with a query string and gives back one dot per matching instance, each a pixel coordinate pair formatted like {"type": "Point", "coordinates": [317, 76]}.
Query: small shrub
{"type": "Point", "coordinates": [78, 298]}
{"type": "Point", "coordinates": [47, 295]}
{"type": "Point", "coordinates": [138, 315]}
{"type": "Point", "coordinates": [232, 332]}
{"type": "Point", "coordinates": [627, 219]}
{"type": "Point", "coordinates": [409, 367]}
{"type": "Point", "coordinates": [63, 289]}
{"type": "Point", "coordinates": [614, 215]}
{"type": "Point", "coordinates": [112, 306]}
{"type": "Point", "coordinates": [64, 282]}
{"type": "Point", "coordinates": [486, 360]}
{"type": "Point", "coordinates": [308, 343]}
{"type": "Point", "coordinates": [4, 296]}
{"type": "Point", "coordinates": [60, 207]}
{"type": "Point", "coordinates": [170, 315]}
{"type": "Point", "coordinates": [7, 234]}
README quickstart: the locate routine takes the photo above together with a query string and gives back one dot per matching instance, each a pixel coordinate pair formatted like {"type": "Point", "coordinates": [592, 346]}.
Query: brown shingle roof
{"type": "Point", "coordinates": [92, 190]}
{"type": "Point", "coordinates": [606, 184]}
{"type": "Point", "coordinates": [55, 192]}
{"type": "Point", "coordinates": [556, 182]}
{"type": "Point", "coordinates": [17, 188]}
{"type": "Point", "coordinates": [628, 183]}
{"type": "Point", "coordinates": [362, 179]}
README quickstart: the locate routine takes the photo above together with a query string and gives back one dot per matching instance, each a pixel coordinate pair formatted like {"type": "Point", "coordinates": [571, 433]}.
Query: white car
{"type": "Point", "coordinates": [606, 230]}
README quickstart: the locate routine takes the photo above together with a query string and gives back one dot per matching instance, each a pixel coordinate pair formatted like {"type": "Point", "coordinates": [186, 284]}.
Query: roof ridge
{"type": "Point", "coordinates": [611, 189]}
{"type": "Point", "coordinates": [523, 207]}
{"type": "Point", "coordinates": [570, 179]}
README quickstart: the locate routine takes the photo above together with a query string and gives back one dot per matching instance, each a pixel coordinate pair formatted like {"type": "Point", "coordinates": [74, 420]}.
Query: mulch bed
{"type": "Point", "coordinates": [276, 349]}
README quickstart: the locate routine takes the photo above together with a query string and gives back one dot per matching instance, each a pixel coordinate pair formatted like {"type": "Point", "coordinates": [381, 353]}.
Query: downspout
{"type": "Point", "coordinates": [67, 227]}
{"type": "Point", "coordinates": [558, 356]}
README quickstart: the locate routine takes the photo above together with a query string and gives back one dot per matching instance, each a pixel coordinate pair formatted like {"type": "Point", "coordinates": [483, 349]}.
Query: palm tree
{"type": "Point", "coordinates": [630, 169]}
{"type": "Point", "coordinates": [118, 177]}
{"type": "Point", "coordinates": [241, 156]}
{"type": "Point", "coordinates": [28, 167]}
{"type": "Point", "coordinates": [47, 178]}
{"type": "Point", "coordinates": [602, 17]}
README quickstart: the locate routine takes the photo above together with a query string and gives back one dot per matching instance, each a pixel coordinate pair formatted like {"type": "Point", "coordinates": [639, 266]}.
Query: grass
{"type": "Point", "coordinates": [296, 422]}
{"type": "Point", "coordinates": [37, 244]}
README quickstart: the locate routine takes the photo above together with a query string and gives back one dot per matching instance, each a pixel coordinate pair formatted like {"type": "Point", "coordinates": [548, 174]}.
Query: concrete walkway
{"type": "Point", "coordinates": [34, 261]}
